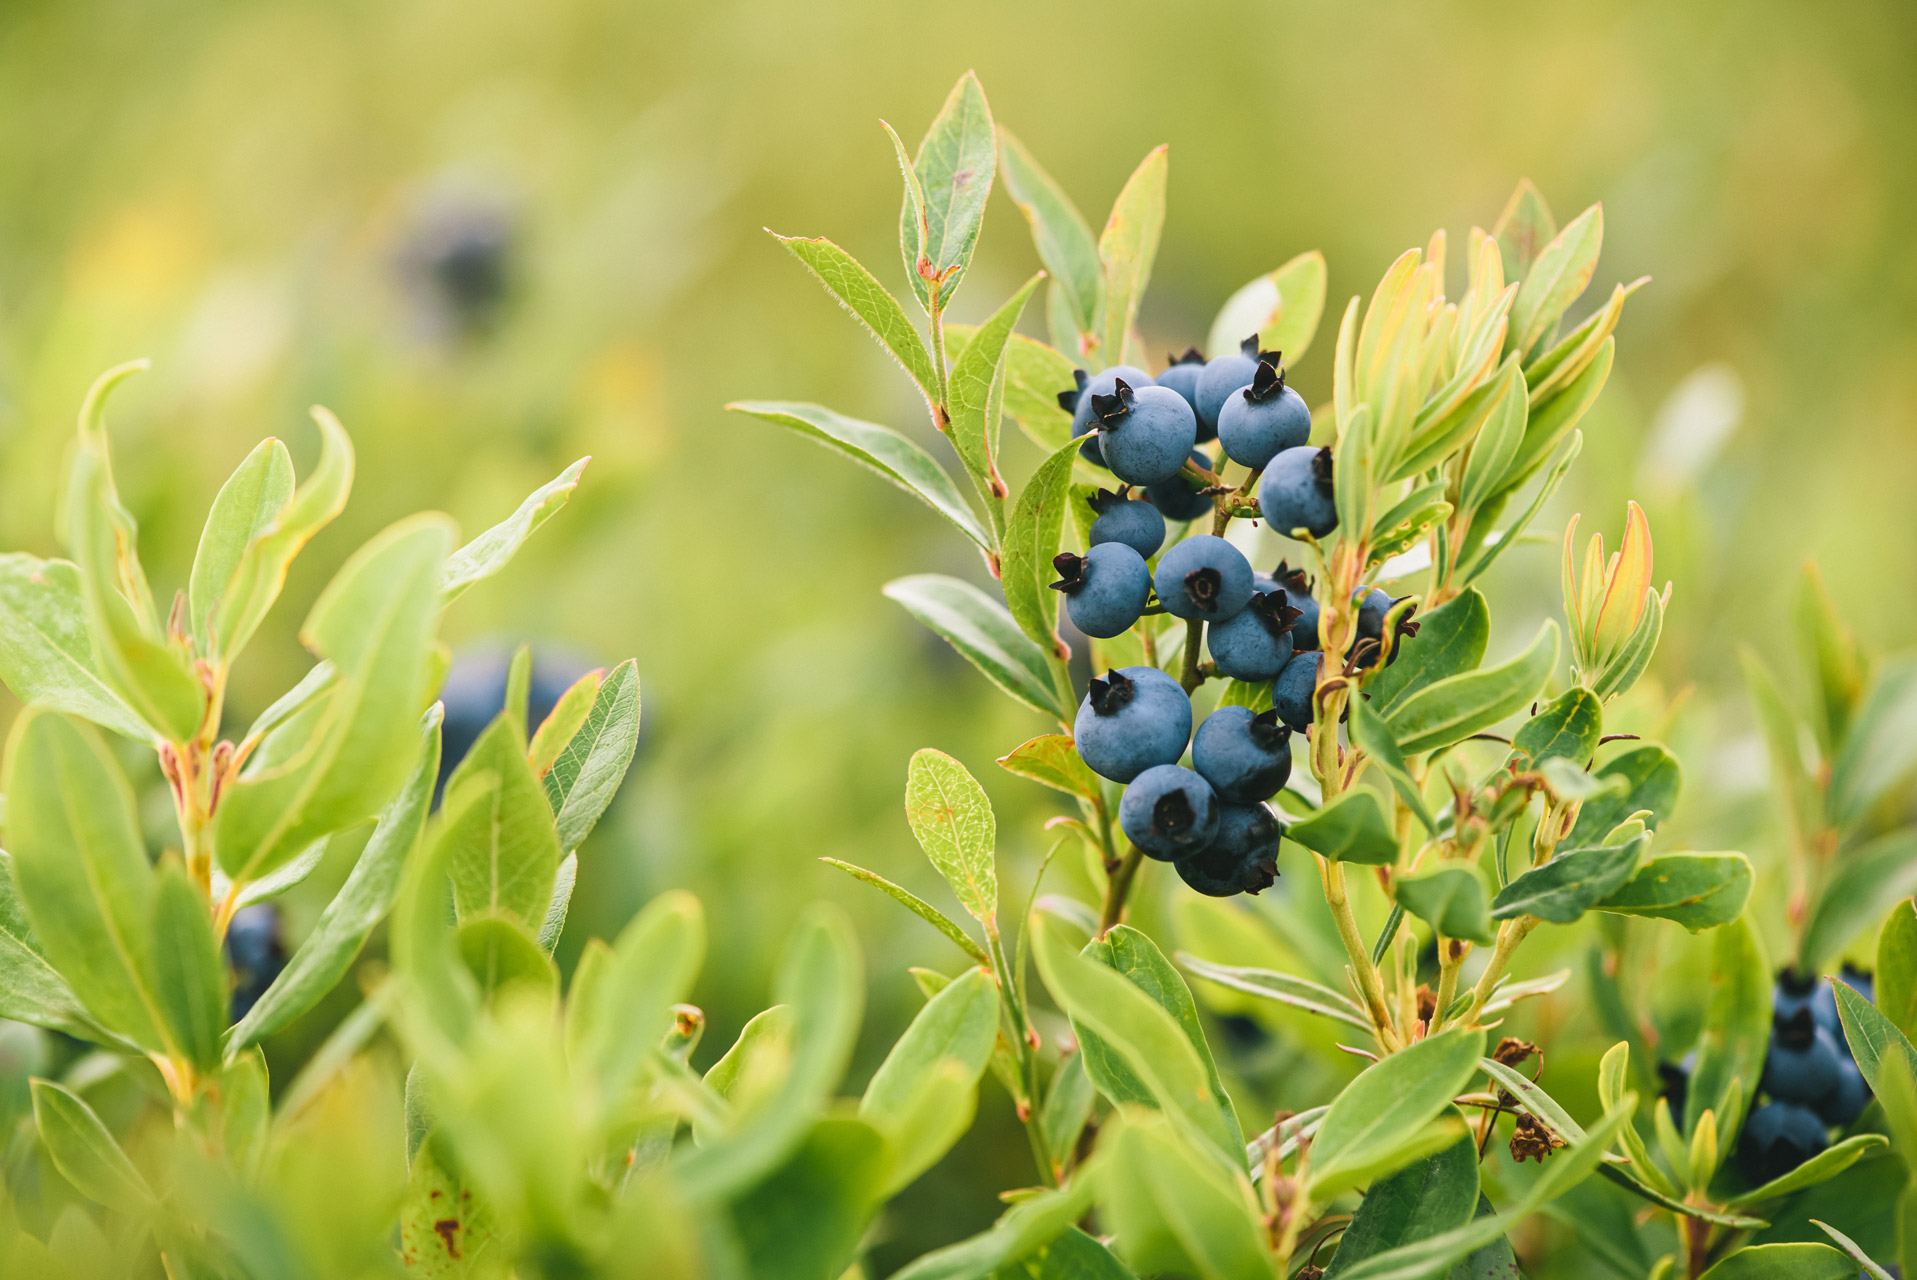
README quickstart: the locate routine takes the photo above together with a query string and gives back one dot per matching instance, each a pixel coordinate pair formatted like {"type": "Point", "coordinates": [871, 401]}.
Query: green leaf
{"type": "Point", "coordinates": [1562, 270]}
{"type": "Point", "coordinates": [1031, 540]}
{"type": "Point", "coordinates": [337, 761]}
{"type": "Point", "coordinates": [1830, 650]}
{"type": "Point", "coordinates": [984, 634]}
{"type": "Point", "coordinates": [1871, 1035]}
{"type": "Point", "coordinates": [1350, 828]}
{"type": "Point", "coordinates": [1370, 735]}
{"type": "Point", "coordinates": [85, 1153]}
{"type": "Point", "coordinates": [1034, 375]}
{"type": "Point", "coordinates": [952, 818]}
{"type": "Point", "coordinates": [1059, 232]}
{"type": "Point", "coordinates": [1523, 229]}
{"type": "Point", "coordinates": [1496, 443]}
{"type": "Point", "coordinates": [917, 906]}
{"type": "Point", "coordinates": [1175, 1209]}
{"type": "Point", "coordinates": [869, 301]}
{"type": "Point", "coordinates": [925, 1092]}
{"type": "Point", "coordinates": [1068, 1106]}
{"type": "Point", "coordinates": [1803, 797]}
{"type": "Point", "coordinates": [82, 870]}
{"type": "Point", "coordinates": [804, 1219]}
{"type": "Point", "coordinates": [1569, 727]}
{"type": "Point", "coordinates": [1128, 246]}
{"type": "Point", "coordinates": [1652, 778]}
{"type": "Point", "coordinates": [819, 977]}
{"type": "Point", "coordinates": [1552, 419]}
{"type": "Point", "coordinates": [882, 449]}
{"type": "Point", "coordinates": [1479, 559]}
{"type": "Point", "coordinates": [1532, 1097]}
{"type": "Point", "coordinates": [954, 165]}
{"type": "Point", "coordinates": [1140, 1032]}
{"type": "Point", "coordinates": [1848, 1245]}
{"type": "Point", "coordinates": [976, 393]}
{"type": "Point", "coordinates": [1135, 956]}
{"type": "Point", "coordinates": [1697, 890]}
{"type": "Point", "coordinates": [1282, 307]}
{"type": "Point", "coordinates": [1449, 899]}
{"type": "Point", "coordinates": [256, 582]}
{"type": "Point", "coordinates": [586, 775]}
{"type": "Point", "coordinates": [619, 1020]}
{"type": "Point", "coordinates": [246, 508]}
{"type": "Point", "coordinates": [1880, 751]}
{"type": "Point", "coordinates": [498, 829]}
{"type": "Point", "coordinates": [1299, 993]}
{"type": "Point", "coordinates": [1822, 1167]}
{"type": "Point", "coordinates": [1736, 1032]}
{"type": "Point", "coordinates": [1023, 1229]}
{"type": "Point", "coordinates": [1784, 1262]}
{"type": "Point", "coordinates": [1567, 886]}
{"type": "Point", "coordinates": [189, 979]}
{"type": "Point", "coordinates": [31, 990]}
{"type": "Point", "coordinates": [1623, 669]}
{"type": "Point", "coordinates": [1492, 1261]}
{"type": "Point", "coordinates": [46, 650]}
{"type": "Point", "coordinates": [1450, 641]}
{"type": "Point", "coordinates": [1072, 1256]}
{"type": "Point", "coordinates": [1853, 899]}
{"type": "Point", "coordinates": [1373, 1126]}
{"type": "Point", "coordinates": [494, 549]}
{"type": "Point", "coordinates": [1896, 968]}
{"type": "Point", "coordinates": [564, 881]}
{"type": "Point", "coordinates": [1436, 1194]}
{"type": "Point", "coordinates": [1053, 760]}
{"type": "Point", "coordinates": [1456, 707]}
{"type": "Point", "coordinates": [500, 952]}
{"type": "Point", "coordinates": [564, 721]}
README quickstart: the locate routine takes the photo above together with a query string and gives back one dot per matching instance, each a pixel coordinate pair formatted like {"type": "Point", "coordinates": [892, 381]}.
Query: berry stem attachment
{"type": "Point", "coordinates": [1191, 677]}
{"type": "Point", "coordinates": [1118, 885]}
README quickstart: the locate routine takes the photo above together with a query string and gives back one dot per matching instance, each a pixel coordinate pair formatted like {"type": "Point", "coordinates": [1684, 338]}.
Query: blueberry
{"type": "Point", "coordinates": [1203, 577]}
{"type": "Point", "coordinates": [1295, 492]}
{"type": "Point", "coordinates": [1182, 375]}
{"type": "Point", "coordinates": [1105, 589]}
{"type": "Point", "coordinates": [1292, 691]}
{"type": "Point", "coordinates": [1077, 401]}
{"type": "Point", "coordinates": [1133, 719]}
{"type": "Point", "coordinates": [1847, 1099]}
{"type": "Point", "coordinates": [457, 262]}
{"type": "Point", "coordinates": [1265, 418]}
{"type": "Point", "coordinates": [1246, 756]}
{"type": "Point", "coordinates": [1182, 499]}
{"type": "Point", "coordinates": [1222, 376]}
{"type": "Point", "coordinates": [257, 953]}
{"type": "Point", "coordinates": [1297, 589]}
{"type": "Point", "coordinates": [1777, 1138]}
{"type": "Point", "coordinates": [1803, 1062]}
{"type": "Point", "coordinates": [1168, 811]}
{"type": "Point", "coordinates": [1144, 433]}
{"type": "Point", "coordinates": [1255, 643]}
{"type": "Point", "coordinates": [1132, 521]}
{"type": "Point", "coordinates": [1373, 607]}
{"type": "Point", "coordinates": [1677, 1083]}
{"type": "Point", "coordinates": [475, 693]}
{"type": "Point", "coordinates": [1241, 858]}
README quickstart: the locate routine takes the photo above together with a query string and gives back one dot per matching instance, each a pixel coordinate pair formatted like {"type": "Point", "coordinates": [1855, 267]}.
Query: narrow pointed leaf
{"type": "Point", "coordinates": [1697, 890]}
{"type": "Point", "coordinates": [869, 301]}
{"type": "Point", "coordinates": [1454, 708]}
{"type": "Point", "coordinates": [1060, 233]}
{"type": "Point", "coordinates": [954, 164]}
{"type": "Point", "coordinates": [1128, 246]}
{"type": "Point", "coordinates": [246, 508]}
{"type": "Point", "coordinates": [984, 633]}
{"type": "Point", "coordinates": [586, 774]}
{"type": "Point", "coordinates": [1031, 540]}
{"type": "Point", "coordinates": [494, 549]}
{"type": "Point", "coordinates": [1451, 641]}
{"type": "Point", "coordinates": [1283, 307]}
{"type": "Point", "coordinates": [1567, 886]}
{"type": "Point", "coordinates": [952, 818]}
{"type": "Point", "coordinates": [917, 906]}
{"type": "Point", "coordinates": [46, 650]}
{"type": "Point", "coordinates": [85, 1152]}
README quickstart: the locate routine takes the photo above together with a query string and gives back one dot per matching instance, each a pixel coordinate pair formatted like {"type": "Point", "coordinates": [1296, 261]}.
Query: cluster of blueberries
{"type": "Point", "coordinates": [1812, 1080]}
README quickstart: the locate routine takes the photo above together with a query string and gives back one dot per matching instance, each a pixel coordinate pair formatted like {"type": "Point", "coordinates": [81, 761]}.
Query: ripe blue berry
{"type": "Point", "coordinates": [1077, 401]}
{"type": "Point", "coordinates": [1265, 418]}
{"type": "Point", "coordinates": [1803, 1063]}
{"type": "Point", "coordinates": [1295, 492]}
{"type": "Point", "coordinates": [1245, 755]}
{"type": "Point", "coordinates": [1676, 1077]}
{"type": "Point", "coordinates": [1168, 811]}
{"type": "Point", "coordinates": [1255, 643]}
{"type": "Point", "coordinates": [1373, 607]}
{"type": "Point", "coordinates": [1133, 719]}
{"type": "Point", "coordinates": [1777, 1138]}
{"type": "Point", "coordinates": [1847, 1099]}
{"type": "Point", "coordinates": [1203, 577]}
{"type": "Point", "coordinates": [1297, 589]}
{"type": "Point", "coordinates": [1241, 858]}
{"type": "Point", "coordinates": [1222, 376]}
{"type": "Point", "coordinates": [1182, 375]}
{"type": "Point", "coordinates": [1132, 521]}
{"type": "Point", "coordinates": [1180, 498]}
{"type": "Point", "coordinates": [1292, 691]}
{"type": "Point", "coordinates": [257, 953]}
{"type": "Point", "coordinates": [1105, 589]}
{"type": "Point", "coordinates": [1144, 432]}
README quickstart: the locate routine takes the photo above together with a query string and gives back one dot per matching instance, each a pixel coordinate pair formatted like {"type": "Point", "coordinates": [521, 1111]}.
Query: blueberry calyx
{"type": "Point", "coordinates": [1794, 1030]}
{"type": "Point", "coordinates": [1203, 586]}
{"type": "Point", "coordinates": [1172, 816]}
{"type": "Point", "coordinates": [1271, 609]}
{"type": "Point", "coordinates": [1294, 581]}
{"type": "Point", "coordinates": [1071, 573]}
{"type": "Point", "coordinates": [1105, 499]}
{"type": "Point", "coordinates": [1111, 409]}
{"type": "Point", "coordinates": [1110, 695]}
{"type": "Point", "coordinates": [1068, 398]}
{"type": "Point", "coordinates": [1269, 382]}
{"type": "Point", "coordinates": [1267, 730]}
{"type": "Point", "coordinates": [1321, 471]}
{"type": "Point", "coordinates": [1249, 347]}
{"type": "Point", "coordinates": [1192, 356]}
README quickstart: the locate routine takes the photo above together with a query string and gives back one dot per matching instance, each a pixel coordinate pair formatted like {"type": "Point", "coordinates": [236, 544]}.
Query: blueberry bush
{"type": "Point", "coordinates": [1335, 720]}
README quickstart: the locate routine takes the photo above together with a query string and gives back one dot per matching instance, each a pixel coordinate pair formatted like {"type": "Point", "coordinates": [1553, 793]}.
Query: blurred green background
{"type": "Point", "coordinates": [244, 192]}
